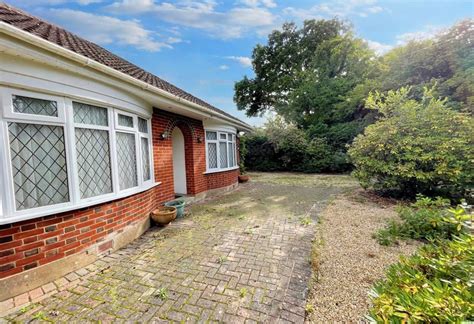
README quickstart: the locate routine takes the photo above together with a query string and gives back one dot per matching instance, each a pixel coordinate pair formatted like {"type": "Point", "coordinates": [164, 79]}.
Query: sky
{"type": "Point", "coordinates": [204, 46]}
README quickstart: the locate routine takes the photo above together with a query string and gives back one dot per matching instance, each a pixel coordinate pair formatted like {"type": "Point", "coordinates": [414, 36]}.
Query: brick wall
{"type": "Point", "coordinates": [36, 242]}
{"type": "Point", "coordinates": [31, 243]}
{"type": "Point", "coordinates": [221, 179]}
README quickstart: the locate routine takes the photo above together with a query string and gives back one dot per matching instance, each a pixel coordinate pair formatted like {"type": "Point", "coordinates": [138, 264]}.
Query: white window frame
{"type": "Point", "coordinates": [233, 139]}
{"type": "Point", "coordinates": [146, 135]}
{"type": "Point", "coordinates": [65, 119]}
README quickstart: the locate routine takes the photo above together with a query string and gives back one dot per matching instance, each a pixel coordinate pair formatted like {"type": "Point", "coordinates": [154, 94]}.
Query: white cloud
{"type": "Point", "coordinates": [107, 30]}
{"type": "Point", "coordinates": [379, 48]}
{"type": "Point", "coordinates": [242, 60]}
{"type": "Point", "coordinates": [336, 8]}
{"type": "Point", "coordinates": [52, 2]}
{"type": "Point", "coordinates": [427, 33]}
{"type": "Point", "coordinates": [257, 3]}
{"type": "Point", "coordinates": [223, 67]}
{"type": "Point", "coordinates": [203, 15]}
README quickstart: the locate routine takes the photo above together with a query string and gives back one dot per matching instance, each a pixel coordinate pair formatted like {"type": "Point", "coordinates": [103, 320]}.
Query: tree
{"type": "Point", "coordinates": [417, 146]}
{"type": "Point", "coordinates": [446, 60]}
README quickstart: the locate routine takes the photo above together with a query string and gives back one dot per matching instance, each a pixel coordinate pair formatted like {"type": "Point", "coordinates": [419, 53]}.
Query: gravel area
{"type": "Point", "coordinates": [350, 260]}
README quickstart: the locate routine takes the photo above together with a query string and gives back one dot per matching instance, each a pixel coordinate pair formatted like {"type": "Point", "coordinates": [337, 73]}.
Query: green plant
{"type": "Point", "coordinates": [434, 285]}
{"type": "Point", "coordinates": [426, 219]}
{"type": "Point", "coordinates": [309, 308]}
{"type": "Point", "coordinates": [243, 292]}
{"type": "Point", "coordinates": [162, 294]}
{"type": "Point", "coordinates": [41, 316]}
{"type": "Point", "coordinates": [221, 259]}
{"type": "Point", "coordinates": [305, 221]}
{"type": "Point", "coordinates": [417, 146]}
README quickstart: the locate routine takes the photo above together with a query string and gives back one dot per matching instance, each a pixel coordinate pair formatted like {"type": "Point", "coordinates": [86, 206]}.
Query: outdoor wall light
{"type": "Point", "coordinates": [165, 135]}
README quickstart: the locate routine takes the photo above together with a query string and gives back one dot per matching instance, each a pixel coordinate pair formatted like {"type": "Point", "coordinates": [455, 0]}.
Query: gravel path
{"type": "Point", "coordinates": [350, 260]}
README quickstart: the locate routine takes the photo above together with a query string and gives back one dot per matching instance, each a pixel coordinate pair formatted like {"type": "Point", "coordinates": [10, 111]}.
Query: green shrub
{"type": "Point", "coordinates": [417, 146]}
{"type": "Point", "coordinates": [426, 219]}
{"type": "Point", "coordinates": [434, 285]}
{"type": "Point", "coordinates": [283, 147]}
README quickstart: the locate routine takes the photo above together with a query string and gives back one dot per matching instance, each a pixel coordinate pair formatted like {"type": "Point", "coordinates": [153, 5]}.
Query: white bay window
{"type": "Point", "coordinates": [220, 151]}
{"type": "Point", "coordinates": [60, 154]}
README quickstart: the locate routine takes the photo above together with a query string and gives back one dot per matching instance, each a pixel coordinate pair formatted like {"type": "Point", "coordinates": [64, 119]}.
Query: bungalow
{"type": "Point", "coordinates": [90, 144]}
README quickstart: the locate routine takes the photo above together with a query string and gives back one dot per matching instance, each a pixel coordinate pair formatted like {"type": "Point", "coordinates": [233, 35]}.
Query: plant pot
{"type": "Point", "coordinates": [243, 178]}
{"type": "Point", "coordinates": [163, 215]}
{"type": "Point", "coordinates": [179, 204]}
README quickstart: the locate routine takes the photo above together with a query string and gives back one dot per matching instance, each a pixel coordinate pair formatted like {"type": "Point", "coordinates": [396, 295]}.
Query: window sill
{"type": "Point", "coordinates": [50, 210]}
{"type": "Point", "coordinates": [221, 170]}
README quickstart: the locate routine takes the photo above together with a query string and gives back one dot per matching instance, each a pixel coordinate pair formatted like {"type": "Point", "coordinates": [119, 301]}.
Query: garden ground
{"type": "Point", "coordinates": [244, 256]}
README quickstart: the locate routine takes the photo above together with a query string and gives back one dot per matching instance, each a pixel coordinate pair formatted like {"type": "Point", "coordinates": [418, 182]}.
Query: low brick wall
{"type": "Point", "coordinates": [222, 179]}
{"type": "Point", "coordinates": [28, 244]}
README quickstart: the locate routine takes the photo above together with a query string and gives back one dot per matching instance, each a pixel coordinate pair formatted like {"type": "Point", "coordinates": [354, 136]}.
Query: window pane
{"type": "Point", "coordinates": [223, 154]}
{"type": "Point", "coordinates": [126, 158]}
{"type": "Point", "coordinates": [126, 121]}
{"type": "Point", "coordinates": [211, 136]}
{"type": "Point", "coordinates": [212, 155]}
{"type": "Point", "coordinates": [223, 136]}
{"type": "Point", "coordinates": [142, 125]}
{"type": "Point", "coordinates": [91, 115]}
{"type": "Point", "coordinates": [38, 165]}
{"type": "Point", "coordinates": [145, 159]}
{"type": "Point", "coordinates": [93, 162]}
{"type": "Point", "coordinates": [34, 106]}
{"type": "Point", "coordinates": [231, 154]}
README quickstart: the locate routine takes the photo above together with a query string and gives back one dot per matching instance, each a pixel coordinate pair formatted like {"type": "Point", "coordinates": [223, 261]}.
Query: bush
{"type": "Point", "coordinates": [415, 147]}
{"type": "Point", "coordinates": [283, 147]}
{"type": "Point", "coordinates": [426, 219]}
{"type": "Point", "coordinates": [434, 285]}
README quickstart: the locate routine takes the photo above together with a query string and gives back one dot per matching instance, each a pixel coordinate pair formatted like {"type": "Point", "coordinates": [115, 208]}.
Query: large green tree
{"type": "Point", "coordinates": [446, 60]}
{"type": "Point", "coordinates": [305, 74]}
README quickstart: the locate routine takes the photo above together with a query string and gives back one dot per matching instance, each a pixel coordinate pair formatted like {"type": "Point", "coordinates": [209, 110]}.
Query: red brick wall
{"type": "Point", "coordinates": [221, 179]}
{"type": "Point", "coordinates": [32, 243]}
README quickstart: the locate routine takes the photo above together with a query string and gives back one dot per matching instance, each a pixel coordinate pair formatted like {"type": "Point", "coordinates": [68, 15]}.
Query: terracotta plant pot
{"type": "Point", "coordinates": [164, 215]}
{"type": "Point", "coordinates": [243, 178]}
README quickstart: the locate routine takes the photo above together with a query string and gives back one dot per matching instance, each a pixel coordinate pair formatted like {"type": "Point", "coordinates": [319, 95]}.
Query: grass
{"type": "Point", "coordinates": [162, 294]}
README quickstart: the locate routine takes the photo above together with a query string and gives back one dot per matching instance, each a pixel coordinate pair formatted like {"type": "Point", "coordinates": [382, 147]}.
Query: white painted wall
{"type": "Point", "coordinates": [179, 162]}
{"type": "Point", "coordinates": [19, 72]}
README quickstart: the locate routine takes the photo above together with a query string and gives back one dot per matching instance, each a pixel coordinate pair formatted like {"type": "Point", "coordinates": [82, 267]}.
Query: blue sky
{"type": "Point", "coordinates": [204, 46]}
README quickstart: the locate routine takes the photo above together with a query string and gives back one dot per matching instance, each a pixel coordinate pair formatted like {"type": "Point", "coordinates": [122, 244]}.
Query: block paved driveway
{"type": "Point", "coordinates": [240, 257]}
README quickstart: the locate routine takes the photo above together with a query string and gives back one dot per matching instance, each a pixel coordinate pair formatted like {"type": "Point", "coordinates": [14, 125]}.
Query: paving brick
{"type": "Point", "coordinates": [179, 273]}
{"type": "Point", "coordinates": [21, 299]}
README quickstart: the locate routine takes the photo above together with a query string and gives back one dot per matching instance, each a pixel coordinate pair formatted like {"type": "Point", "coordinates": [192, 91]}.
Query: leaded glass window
{"type": "Point", "coordinates": [220, 150]}
{"type": "Point", "coordinates": [212, 155]}
{"type": "Point", "coordinates": [231, 154]}
{"type": "Point", "coordinates": [38, 159]}
{"type": "Point", "coordinates": [145, 159]}
{"type": "Point", "coordinates": [211, 136]}
{"type": "Point", "coordinates": [223, 154]}
{"type": "Point", "coordinates": [34, 106]}
{"type": "Point", "coordinates": [142, 125]}
{"type": "Point", "coordinates": [90, 115]}
{"type": "Point", "coordinates": [126, 160]}
{"type": "Point", "coordinates": [41, 152]}
{"type": "Point", "coordinates": [126, 121]}
{"type": "Point", "coordinates": [93, 162]}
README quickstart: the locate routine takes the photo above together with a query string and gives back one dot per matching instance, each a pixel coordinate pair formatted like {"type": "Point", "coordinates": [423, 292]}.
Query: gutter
{"type": "Point", "coordinates": [56, 49]}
